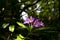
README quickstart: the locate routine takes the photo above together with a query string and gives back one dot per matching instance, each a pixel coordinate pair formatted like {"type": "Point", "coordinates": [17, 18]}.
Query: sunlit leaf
{"type": "Point", "coordinates": [11, 28]}
{"type": "Point", "coordinates": [20, 37]}
{"type": "Point", "coordinates": [5, 25]}
{"type": "Point", "coordinates": [21, 24]}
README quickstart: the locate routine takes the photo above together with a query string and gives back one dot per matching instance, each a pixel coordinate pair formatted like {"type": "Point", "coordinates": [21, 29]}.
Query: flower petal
{"type": "Point", "coordinates": [36, 23]}
{"type": "Point", "coordinates": [41, 23]}
{"type": "Point", "coordinates": [31, 19]}
{"type": "Point", "coordinates": [26, 21]}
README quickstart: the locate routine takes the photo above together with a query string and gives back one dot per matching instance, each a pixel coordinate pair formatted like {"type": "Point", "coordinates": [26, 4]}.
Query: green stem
{"type": "Point", "coordinates": [30, 30]}
{"type": "Point", "coordinates": [31, 27]}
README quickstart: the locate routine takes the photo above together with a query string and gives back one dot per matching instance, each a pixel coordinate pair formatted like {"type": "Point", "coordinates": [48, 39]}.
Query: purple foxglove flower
{"type": "Point", "coordinates": [36, 23]}
{"type": "Point", "coordinates": [41, 23]}
{"type": "Point", "coordinates": [31, 19]}
{"type": "Point", "coordinates": [27, 21]}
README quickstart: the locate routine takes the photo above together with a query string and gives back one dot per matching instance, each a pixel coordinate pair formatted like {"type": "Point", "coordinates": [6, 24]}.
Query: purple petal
{"type": "Point", "coordinates": [36, 23]}
{"type": "Point", "coordinates": [31, 19]}
{"type": "Point", "coordinates": [41, 23]}
{"type": "Point", "coordinates": [27, 21]}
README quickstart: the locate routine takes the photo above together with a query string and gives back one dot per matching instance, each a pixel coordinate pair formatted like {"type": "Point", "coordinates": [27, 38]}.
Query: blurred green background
{"type": "Point", "coordinates": [45, 10]}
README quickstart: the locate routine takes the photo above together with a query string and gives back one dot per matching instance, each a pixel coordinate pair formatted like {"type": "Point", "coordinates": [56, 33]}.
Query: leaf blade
{"type": "Point", "coordinates": [21, 24]}
{"type": "Point", "coordinates": [5, 25]}
{"type": "Point", "coordinates": [11, 28]}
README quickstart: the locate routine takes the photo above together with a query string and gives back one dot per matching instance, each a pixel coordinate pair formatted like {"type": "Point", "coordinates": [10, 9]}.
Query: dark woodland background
{"type": "Point", "coordinates": [10, 11]}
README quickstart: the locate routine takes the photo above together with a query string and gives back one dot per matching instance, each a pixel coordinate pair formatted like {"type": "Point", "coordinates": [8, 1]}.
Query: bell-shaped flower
{"type": "Point", "coordinates": [29, 20]}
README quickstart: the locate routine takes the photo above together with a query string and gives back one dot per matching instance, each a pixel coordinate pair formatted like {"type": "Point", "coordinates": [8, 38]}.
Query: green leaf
{"type": "Point", "coordinates": [5, 25]}
{"type": "Point", "coordinates": [21, 24]}
{"type": "Point", "coordinates": [42, 28]}
{"type": "Point", "coordinates": [20, 37]}
{"type": "Point", "coordinates": [11, 28]}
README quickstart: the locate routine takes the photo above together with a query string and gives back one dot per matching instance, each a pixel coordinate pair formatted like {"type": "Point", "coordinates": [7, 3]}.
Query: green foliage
{"type": "Point", "coordinates": [21, 24]}
{"type": "Point", "coordinates": [41, 28]}
{"type": "Point", "coordinates": [11, 22]}
{"type": "Point", "coordinates": [5, 25]}
{"type": "Point", "coordinates": [19, 37]}
{"type": "Point", "coordinates": [11, 28]}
